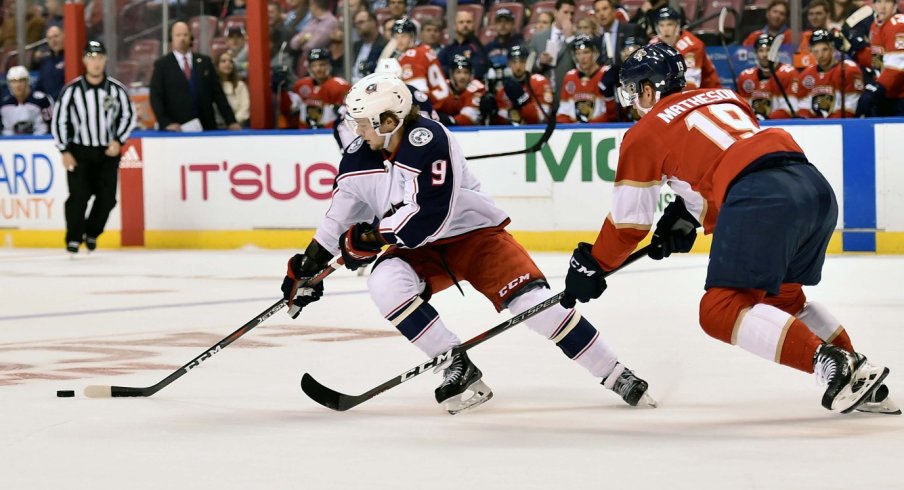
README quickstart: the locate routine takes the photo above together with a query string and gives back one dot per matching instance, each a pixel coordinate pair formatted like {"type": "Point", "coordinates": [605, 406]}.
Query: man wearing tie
{"type": "Point", "coordinates": [612, 41]}
{"type": "Point", "coordinates": [185, 86]}
{"type": "Point", "coordinates": [554, 57]}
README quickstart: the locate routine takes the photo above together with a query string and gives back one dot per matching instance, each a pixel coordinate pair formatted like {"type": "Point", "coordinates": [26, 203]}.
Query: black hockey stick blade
{"type": "Point", "coordinates": [102, 391]}
{"type": "Point", "coordinates": [341, 402]}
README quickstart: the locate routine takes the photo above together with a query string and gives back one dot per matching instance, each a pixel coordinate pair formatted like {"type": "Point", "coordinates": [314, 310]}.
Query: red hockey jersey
{"type": "Point", "coordinates": [887, 47]}
{"type": "Point", "coordinates": [764, 95]}
{"type": "Point", "coordinates": [582, 99]}
{"type": "Point", "coordinates": [465, 107]}
{"type": "Point", "coordinates": [701, 73]}
{"type": "Point", "coordinates": [320, 101]}
{"type": "Point", "coordinates": [421, 69]}
{"type": "Point", "coordinates": [819, 94]}
{"type": "Point", "coordinates": [695, 141]}
{"type": "Point", "coordinates": [530, 113]}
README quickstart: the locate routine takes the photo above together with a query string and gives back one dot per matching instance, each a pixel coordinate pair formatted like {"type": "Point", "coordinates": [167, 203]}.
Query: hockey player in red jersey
{"type": "Point", "coordinates": [757, 85]}
{"type": "Point", "coordinates": [581, 97]}
{"type": "Point", "coordinates": [700, 70]}
{"type": "Point", "coordinates": [321, 94]}
{"type": "Point", "coordinates": [420, 66]}
{"type": "Point", "coordinates": [464, 105]}
{"type": "Point", "coordinates": [523, 98]}
{"type": "Point", "coordinates": [770, 211]}
{"type": "Point", "coordinates": [885, 96]}
{"type": "Point", "coordinates": [405, 183]}
{"type": "Point", "coordinates": [829, 86]}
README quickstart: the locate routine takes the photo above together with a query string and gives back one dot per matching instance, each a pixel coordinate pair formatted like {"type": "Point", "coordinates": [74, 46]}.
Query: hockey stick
{"type": "Point", "coordinates": [341, 402]}
{"type": "Point", "coordinates": [734, 77]}
{"type": "Point", "coordinates": [99, 391]}
{"type": "Point", "coordinates": [773, 58]}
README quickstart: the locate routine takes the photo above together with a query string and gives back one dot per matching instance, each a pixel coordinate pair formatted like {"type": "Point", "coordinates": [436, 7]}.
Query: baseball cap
{"type": "Point", "coordinates": [17, 73]}
{"type": "Point", "coordinates": [95, 48]}
{"type": "Point", "coordinates": [503, 13]}
{"type": "Point", "coordinates": [235, 30]}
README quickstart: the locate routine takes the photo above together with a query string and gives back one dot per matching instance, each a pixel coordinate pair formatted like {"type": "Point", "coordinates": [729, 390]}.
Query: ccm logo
{"type": "Point", "coordinates": [511, 285]}
{"type": "Point", "coordinates": [581, 269]}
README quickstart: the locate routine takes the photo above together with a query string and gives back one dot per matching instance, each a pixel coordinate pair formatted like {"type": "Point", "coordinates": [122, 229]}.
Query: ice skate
{"type": "Point", "coordinates": [462, 387]}
{"type": "Point", "coordinates": [880, 402]}
{"type": "Point", "coordinates": [632, 389]}
{"type": "Point", "coordinates": [72, 247]}
{"type": "Point", "coordinates": [849, 378]}
{"type": "Point", "coordinates": [90, 243]}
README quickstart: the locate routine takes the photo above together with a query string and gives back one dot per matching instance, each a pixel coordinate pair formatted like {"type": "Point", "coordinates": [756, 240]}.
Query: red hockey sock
{"type": "Point", "coordinates": [799, 347]}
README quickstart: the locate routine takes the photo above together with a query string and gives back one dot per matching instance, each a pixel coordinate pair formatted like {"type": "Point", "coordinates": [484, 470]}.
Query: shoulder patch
{"type": "Point", "coordinates": [809, 82]}
{"type": "Point", "coordinates": [420, 136]}
{"type": "Point", "coordinates": [354, 145]}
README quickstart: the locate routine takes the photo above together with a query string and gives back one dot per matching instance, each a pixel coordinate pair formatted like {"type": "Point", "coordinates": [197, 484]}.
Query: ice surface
{"type": "Point", "coordinates": [726, 419]}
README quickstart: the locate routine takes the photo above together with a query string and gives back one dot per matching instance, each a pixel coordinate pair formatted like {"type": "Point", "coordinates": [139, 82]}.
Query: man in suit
{"type": "Point", "coordinates": [552, 46]}
{"type": "Point", "coordinates": [368, 47]}
{"type": "Point", "coordinates": [185, 86]}
{"type": "Point", "coordinates": [605, 12]}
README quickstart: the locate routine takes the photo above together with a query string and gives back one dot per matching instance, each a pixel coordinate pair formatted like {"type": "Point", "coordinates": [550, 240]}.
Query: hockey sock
{"type": "Point", "coordinates": [421, 325]}
{"type": "Point", "coordinates": [736, 316]}
{"type": "Point", "coordinates": [822, 323]}
{"type": "Point", "coordinates": [576, 336]}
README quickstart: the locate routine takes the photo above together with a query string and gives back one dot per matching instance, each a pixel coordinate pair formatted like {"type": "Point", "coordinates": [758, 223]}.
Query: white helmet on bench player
{"type": "Point", "coordinates": [372, 96]}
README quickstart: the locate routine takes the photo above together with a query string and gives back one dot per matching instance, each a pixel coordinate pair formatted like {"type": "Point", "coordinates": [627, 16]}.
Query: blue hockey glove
{"type": "Point", "coordinates": [584, 280]}
{"type": "Point", "coordinates": [676, 231]}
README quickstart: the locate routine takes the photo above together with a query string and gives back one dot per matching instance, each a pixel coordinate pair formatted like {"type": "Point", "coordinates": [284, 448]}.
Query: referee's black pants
{"type": "Point", "coordinates": [96, 175]}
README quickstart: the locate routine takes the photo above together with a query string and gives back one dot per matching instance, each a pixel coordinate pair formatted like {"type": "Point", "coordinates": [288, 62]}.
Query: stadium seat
{"type": "Point", "coordinates": [145, 51]}
{"type": "Point", "coordinates": [211, 23]}
{"type": "Point", "coordinates": [541, 6]}
{"type": "Point", "coordinates": [218, 45]}
{"type": "Point", "coordinates": [382, 15]}
{"type": "Point", "coordinates": [476, 10]}
{"type": "Point", "coordinates": [528, 32]}
{"type": "Point", "coordinates": [422, 11]}
{"type": "Point", "coordinates": [128, 72]}
{"type": "Point", "coordinates": [232, 20]}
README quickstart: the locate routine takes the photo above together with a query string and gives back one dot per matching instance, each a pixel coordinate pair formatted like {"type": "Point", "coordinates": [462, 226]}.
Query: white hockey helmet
{"type": "Point", "coordinates": [375, 94]}
{"type": "Point", "coordinates": [18, 72]}
{"type": "Point", "coordinates": [389, 66]}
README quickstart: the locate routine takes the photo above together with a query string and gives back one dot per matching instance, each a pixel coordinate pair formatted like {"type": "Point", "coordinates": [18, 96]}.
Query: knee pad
{"type": "Point", "coordinates": [720, 309]}
{"type": "Point", "coordinates": [393, 285]}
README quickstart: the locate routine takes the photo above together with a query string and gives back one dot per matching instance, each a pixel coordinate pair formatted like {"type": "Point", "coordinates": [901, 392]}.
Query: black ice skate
{"type": "Point", "coordinates": [460, 378]}
{"type": "Point", "coordinates": [880, 402]}
{"type": "Point", "coordinates": [632, 389]}
{"type": "Point", "coordinates": [90, 243]}
{"type": "Point", "coordinates": [849, 378]}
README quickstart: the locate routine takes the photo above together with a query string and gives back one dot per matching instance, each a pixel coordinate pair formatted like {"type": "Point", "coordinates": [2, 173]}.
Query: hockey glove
{"type": "Point", "coordinates": [584, 280]}
{"type": "Point", "coordinates": [515, 93]}
{"type": "Point", "coordinates": [676, 231]}
{"type": "Point", "coordinates": [301, 268]}
{"type": "Point", "coordinates": [360, 245]}
{"type": "Point", "coordinates": [872, 96]}
{"type": "Point", "coordinates": [488, 106]}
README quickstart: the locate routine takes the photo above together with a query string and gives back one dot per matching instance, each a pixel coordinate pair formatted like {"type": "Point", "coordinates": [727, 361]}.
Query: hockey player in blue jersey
{"type": "Point", "coordinates": [403, 182]}
{"type": "Point", "coordinates": [24, 112]}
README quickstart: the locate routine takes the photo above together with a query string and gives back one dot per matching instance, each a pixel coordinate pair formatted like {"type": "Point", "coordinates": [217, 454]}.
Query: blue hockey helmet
{"type": "Point", "coordinates": [660, 64]}
{"type": "Point", "coordinates": [583, 41]}
{"type": "Point", "coordinates": [667, 13]}
{"type": "Point", "coordinates": [460, 62]}
{"type": "Point", "coordinates": [764, 39]}
{"type": "Point", "coordinates": [404, 26]}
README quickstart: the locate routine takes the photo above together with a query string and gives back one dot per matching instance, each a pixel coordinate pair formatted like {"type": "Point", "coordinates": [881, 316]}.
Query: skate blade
{"type": "Point", "coordinates": [481, 394]}
{"type": "Point", "coordinates": [646, 401]}
{"type": "Point", "coordinates": [872, 377]}
{"type": "Point", "coordinates": [885, 407]}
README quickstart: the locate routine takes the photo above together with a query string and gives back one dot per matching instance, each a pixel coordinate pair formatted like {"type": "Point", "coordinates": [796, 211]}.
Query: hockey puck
{"type": "Point", "coordinates": [65, 393]}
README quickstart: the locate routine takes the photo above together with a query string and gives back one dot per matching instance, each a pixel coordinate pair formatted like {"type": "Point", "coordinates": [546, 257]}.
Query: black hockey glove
{"type": "Point", "coordinates": [675, 231]}
{"type": "Point", "coordinates": [515, 93]}
{"type": "Point", "coordinates": [872, 96]}
{"type": "Point", "coordinates": [301, 268]}
{"type": "Point", "coordinates": [488, 106]}
{"type": "Point", "coordinates": [360, 245]}
{"type": "Point", "coordinates": [584, 280]}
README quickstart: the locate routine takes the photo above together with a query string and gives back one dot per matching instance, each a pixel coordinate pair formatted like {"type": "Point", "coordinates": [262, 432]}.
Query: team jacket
{"type": "Point", "coordinates": [320, 102]}
{"type": "Point", "coordinates": [696, 142]}
{"type": "Point", "coordinates": [887, 47]}
{"type": "Point", "coordinates": [582, 98]}
{"type": "Point", "coordinates": [422, 193]}
{"type": "Point", "coordinates": [700, 71]}
{"type": "Point", "coordinates": [29, 117]}
{"type": "Point", "coordinates": [532, 112]}
{"type": "Point", "coordinates": [819, 94]}
{"type": "Point", "coordinates": [464, 107]}
{"type": "Point", "coordinates": [764, 95]}
{"type": "Point", "coordinates": [421, 68]}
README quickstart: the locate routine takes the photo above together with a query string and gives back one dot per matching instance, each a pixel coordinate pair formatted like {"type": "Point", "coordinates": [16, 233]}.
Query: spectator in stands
{"type": "Point", "coordinates": [465, 43]}
{"type": "Point", "coordinates": [49, 63]}
{"type": "Point", "coordinates": [506, 38]}
{"type": "Point", "coordinates": [235, 89]}
{"type": "Point", "coordinates": [825, 91]}
{"type": "Point", "coordinates": [24, 112]}
{"type": "Point", "coordinates": [818, 18]}
{"type": "Point", "coordinates": [53, 13]}
{"type": "Point", "coordinates": [234, 7]}
{"type": "Point", "coordinates": [544, 21]}
{"type": "Point", "coordinates": [776, 23]}
{"type": "Point", "coordinates": [316, 34]}
{"type": "Point", "coordinates": [278, 32]}
{"type": "Point", "coordinates": [432, 32]}
{"type": "Point", "coordinates": [337, 53]}
{"type": "Point", "coordinates": [588, 26]}
{"type": "Point", "coordinates": [397, 9]}
{"type": "Point", "coordinates": [34, 26]}
{"type": "Point", "coordinates": [185, 86]}
{"type": "Point", "coordinates": [235, 42]}
{"type": "Point", "coordinates": [367, 49]}
{"type": "Point", "coordinates": [605, 12]}
{"type": "Point", "coordinates": [700, 70]}
{"type": "Point", "coordinates": [552, 46]}
{"type": "Point", "coordinates": [297, 15]}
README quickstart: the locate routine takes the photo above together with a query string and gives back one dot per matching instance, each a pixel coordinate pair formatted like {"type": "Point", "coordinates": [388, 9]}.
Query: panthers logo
{"type": "Point", "coordinates": [823, 104]}
{"type": "Point", "coordinates": [314, 114]}
{"type": "Point", "coordinates": [584, 110]}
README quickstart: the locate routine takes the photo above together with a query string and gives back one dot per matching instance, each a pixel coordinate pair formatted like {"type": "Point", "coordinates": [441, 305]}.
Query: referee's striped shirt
{"type": "Point", "coordinates": [92, 115]}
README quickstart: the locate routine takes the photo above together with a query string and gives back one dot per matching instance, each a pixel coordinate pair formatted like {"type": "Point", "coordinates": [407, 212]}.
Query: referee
{"type": "Point", "coordinates": [91, 120]}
